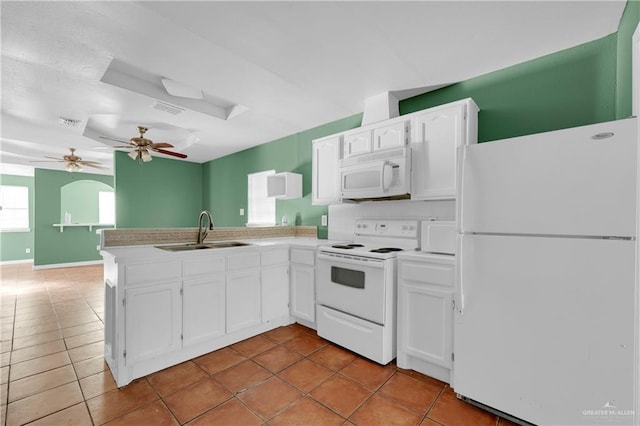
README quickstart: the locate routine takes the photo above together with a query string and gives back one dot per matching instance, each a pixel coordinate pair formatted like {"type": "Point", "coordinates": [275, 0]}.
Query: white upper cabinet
{"type": "Point", "coordinates": [325, 170]}
{"type": "Point", "coordinates": [437, 133]}
{"type": "Point", "coordinates": [357, 143]}
{"type": "Point", "coordinates": [393, 135]}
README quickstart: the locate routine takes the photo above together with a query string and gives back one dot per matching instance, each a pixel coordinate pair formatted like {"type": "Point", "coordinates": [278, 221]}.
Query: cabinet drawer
{"type": "Point", "coordinates": [275, 256]}
{"type": "Point", "coordinates": [241, 261]}
{"type": "Point", "coordinates": [433, 273]}
{"type": "Point", "coordinates": [149, 272]}
{"type": "Point", "coordinates": [305, 257]}
{"type": "Point", "coordinates": [202, 266]}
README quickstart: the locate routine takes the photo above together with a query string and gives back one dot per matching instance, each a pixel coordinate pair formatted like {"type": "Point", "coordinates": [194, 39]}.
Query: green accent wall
{"type": "Point", "coordinates": [75, 244]}
{"type": "Point", "coordinates": [627, 27]}
{"type": "Point", "coordinates": [162, 193]}
{"type": "Point", "coordinates": [13, 245]}
{"type": "Point", "coordinates": [80, 200]}
{"type": "Point", "coordinates": [225, 179]}
{"type": "Point", "coordinates": [570, 88]}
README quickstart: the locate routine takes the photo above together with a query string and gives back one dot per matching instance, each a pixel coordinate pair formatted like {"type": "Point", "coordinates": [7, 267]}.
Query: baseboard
{"type": "Point", "coordinates": [15, 262]}
{"type": "Point", "coordinates": [68, 265]}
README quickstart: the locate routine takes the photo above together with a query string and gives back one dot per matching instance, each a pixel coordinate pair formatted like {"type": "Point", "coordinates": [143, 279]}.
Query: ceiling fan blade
{"type": "Point", "coordinates": [47, 161]}
{"type": "Point", "coordinates": [111, 147]}
{"type": "Point", "coordinates": [84, 163]}
{"type": "Point", "coordinates": [160, 145]}
{"type": "Point", "coordinates": [164, 151]}
{"type": "Point", "coordinates": [112, 139]}
{"type": "Point", "coordinates": [88, 162]}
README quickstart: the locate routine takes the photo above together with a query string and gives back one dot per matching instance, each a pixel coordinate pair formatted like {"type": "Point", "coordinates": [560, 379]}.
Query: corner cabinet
{"type": "Point", "coordinates": [325, 170]}
{"type": "Point", "coordinates": [426, 286]}
{"type": "Point", "coordinates": [436, 136]}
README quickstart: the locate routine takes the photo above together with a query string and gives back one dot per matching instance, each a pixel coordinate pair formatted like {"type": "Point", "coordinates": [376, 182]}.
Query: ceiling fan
{"type": "Point", "coordinates": [73, 163]}
{"type": "Point", "coordinates": [141, 146]}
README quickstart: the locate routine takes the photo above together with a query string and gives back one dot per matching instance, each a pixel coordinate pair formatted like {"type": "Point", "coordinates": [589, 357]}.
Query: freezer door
{"type": "Point", "coordinates": [560, 183]}
{"type": "Point", "coordinates": [546, 330]}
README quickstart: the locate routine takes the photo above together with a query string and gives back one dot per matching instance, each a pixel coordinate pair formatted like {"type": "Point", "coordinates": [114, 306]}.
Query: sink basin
{"type": "Point", "coordinates": [204, 246]}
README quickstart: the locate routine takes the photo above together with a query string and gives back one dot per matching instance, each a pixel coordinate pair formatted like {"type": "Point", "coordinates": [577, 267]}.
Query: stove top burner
{"type": "Point", "coordinates": [386, 250]}
{"type": "Point", "coordinates": [347, 246]}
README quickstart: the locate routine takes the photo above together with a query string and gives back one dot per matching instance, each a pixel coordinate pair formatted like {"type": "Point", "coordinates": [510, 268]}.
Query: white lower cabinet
{"type": "Point", "coordinates": [275, 283]}
{"type": "Point", "coordinates": [425, 314]}
{"type": "Point", "coordinates": [243, 291]}
{"type": "Point", "coordinates": [303, 287]}
{"type": "Point", "coordinates": [203, 309]}
{"type": "Point", "coordinates": [153, 315]}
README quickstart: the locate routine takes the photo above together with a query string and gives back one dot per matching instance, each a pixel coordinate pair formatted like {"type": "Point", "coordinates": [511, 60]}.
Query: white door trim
{"type": "Point", "coordinates": [635, 86]}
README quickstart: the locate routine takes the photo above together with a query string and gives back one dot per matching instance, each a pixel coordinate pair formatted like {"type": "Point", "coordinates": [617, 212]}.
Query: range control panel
{"type": "Point", "coordinates": [387, 228]}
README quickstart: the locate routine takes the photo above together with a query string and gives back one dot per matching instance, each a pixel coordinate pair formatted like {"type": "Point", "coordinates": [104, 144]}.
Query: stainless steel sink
{"type": "Point", "coordinates": [203, 246]}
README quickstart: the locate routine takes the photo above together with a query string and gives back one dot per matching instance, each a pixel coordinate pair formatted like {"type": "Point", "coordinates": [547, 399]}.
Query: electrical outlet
{"type": "Point", "coordinates": [241, 212]}
{"type": "Point", "coordinates": [28, 250]}
{"type": "Point", "coordinates": [324, 220]}
{"type": "Point", "coordinates": [98, 247]}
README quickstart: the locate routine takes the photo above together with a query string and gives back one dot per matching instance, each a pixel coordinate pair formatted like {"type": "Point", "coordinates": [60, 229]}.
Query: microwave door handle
{"type": "Point", "coordinates": [386, 176]}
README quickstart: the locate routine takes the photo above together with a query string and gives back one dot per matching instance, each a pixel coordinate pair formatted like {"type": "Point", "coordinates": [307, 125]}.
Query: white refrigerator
{"type": "Point", "coordinates": [544, 319]}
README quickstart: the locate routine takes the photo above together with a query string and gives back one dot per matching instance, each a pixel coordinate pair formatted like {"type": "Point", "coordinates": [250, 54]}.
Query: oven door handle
{"type": "Point", "coordinates": [351, 260]}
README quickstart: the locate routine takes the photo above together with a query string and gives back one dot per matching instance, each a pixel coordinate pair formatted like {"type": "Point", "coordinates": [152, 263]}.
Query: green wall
{"type": "Point", "coordinates": [628, 24]}
{"type": "Point", "coordinates": [13, 245]}
{"type": "Point", "coordinates": [225, 179]}
{"type": "Point", "coordinates": [80, 199]}
{"type": "Point", "coordinates": [75, 244]}
{"type": "Point", "coordinates": [162, 193]}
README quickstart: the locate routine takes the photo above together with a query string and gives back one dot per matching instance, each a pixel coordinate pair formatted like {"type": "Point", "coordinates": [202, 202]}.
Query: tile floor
{"type": "Point", "coordinates": [53, 372]}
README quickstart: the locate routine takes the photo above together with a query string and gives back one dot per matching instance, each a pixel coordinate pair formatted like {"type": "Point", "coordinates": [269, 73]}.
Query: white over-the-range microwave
{"type": "Point", "coordinates": [377, 175]}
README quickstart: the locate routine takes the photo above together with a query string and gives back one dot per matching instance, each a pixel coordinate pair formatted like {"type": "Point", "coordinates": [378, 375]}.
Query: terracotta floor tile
{"type": "Point", "coordinates": [253, 346]}
{"type": "Point", "coordinates": [76, 415]}
{"type": "Point", "coordinates": [5, 346]}
{"type": "Point", "coordinates": [82, 329]}
{"type": "Point", "coordinates": [31, 385]}
{"type": "Point", "coordinates": [306, 412]}
{"type": "Point", "coordinates": [449, 410]}
{"type": "Point", "coordinates": [34, 329]}
{"type": "Point", "coordinates": [43, 403]}
{"type": "Point", "coordinates": [341, 395]}
{"type": "Point", "coordinates": [368, 373]}
{"type": "Point", "coordinates": [97, 384]}
{"type": "Point", "coordinates": [5, 359]}
{"type": "Point", "coordinates": [77, 319]}
{"type": "Point", "coordinates": [28, 322]}
{"type": "Point", "coordinates": [4, 374]}
{"type": "Point", "coordinates": [36, 339]}
{"type": "Point", "coordinates": [333, 357]}
{"type": "Point", "coordinates": [194, 400]}
{"type": "Point", "coordinates": [85, 352]}
{"type": "Point", "coordinates": [39, 365]}
{"type": "Point", "coordinates": [174, 378]}
{"type": "Point", "coordinates": [231, 413]}
{"type": "Point", "coordinates": [219, 360]}
{"type": "Point", "coordinates": [90, 366]}
{"type": "Point", "coordinates": [428, 422]}
{"type": "Point", "coordinates": [305, 375]}
{"type": "Point", "coordinates": [306, 344]}
{"type": "Point", "coordinates": [277, 358]}
{"type": "Point", "coordinates": [155, 414]}
{"type": "Point", "coordinates": [242, 376]}
{"type": "Point", "coordinates": [37, 351]}
{"type": "Point", "coordinates": [283, 334]}
{"type": "Point", "coordinates": [414, 394]}
{"type": "Point", "coordinates": [384, 412]}
{"type": "Point", "coordinates": [270, 397]}
{"type": "Point", "coordinates": [114, 404]}
{"type": "Point", "coordinates": [84, 339]}
{"type": "Point", "coordinates": [422, 377]}
{"type": "Point", "coordinates": [505, 422]}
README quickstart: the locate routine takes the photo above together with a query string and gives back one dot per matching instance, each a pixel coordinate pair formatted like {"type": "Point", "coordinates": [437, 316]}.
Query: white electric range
{"type": "Point", "coordinates": [356, 287]}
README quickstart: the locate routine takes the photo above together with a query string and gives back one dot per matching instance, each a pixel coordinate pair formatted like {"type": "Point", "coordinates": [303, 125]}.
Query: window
{"type": "Point", "coordinates": [14, 208]}
{"type": "Point", "coordinates": [262, 209]}
{"type": "Point", "coordinates": [106, 207]}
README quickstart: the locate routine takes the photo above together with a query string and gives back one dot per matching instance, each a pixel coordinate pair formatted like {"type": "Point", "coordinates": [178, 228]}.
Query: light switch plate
{"type": "Point", "coordinates": [241, 212]}
{"type": "Point", "coordinates": [324, 220]}
{"type": "Point", "coordinates": [27, 251]}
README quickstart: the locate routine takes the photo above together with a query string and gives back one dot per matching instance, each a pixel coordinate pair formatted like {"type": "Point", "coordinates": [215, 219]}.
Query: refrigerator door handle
{"type": "Point", "coordinates": [459, 282]}
{"type": "Point", "coordinates": [461, 152]}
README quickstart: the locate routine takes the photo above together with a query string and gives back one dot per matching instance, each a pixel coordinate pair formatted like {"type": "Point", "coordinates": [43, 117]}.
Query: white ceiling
{"type": "Point", "coordinates": [294, 65]}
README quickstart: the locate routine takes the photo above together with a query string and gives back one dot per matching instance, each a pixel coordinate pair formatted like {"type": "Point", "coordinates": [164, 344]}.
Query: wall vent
{"type": "Point", "coordinates": [165, 107]}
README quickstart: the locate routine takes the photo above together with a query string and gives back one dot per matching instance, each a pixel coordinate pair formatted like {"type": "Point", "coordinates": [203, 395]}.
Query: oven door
{"type": "Point", "coordinates": [353, 285]}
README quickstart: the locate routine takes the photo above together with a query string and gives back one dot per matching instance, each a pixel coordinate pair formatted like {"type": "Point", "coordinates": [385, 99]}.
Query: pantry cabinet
{"type": "Point", "coordinates": [325, 170]}
{"type": "Point", "coordinates": [425, 314]}
{"type": "Point", "coordinates": [436, 136]}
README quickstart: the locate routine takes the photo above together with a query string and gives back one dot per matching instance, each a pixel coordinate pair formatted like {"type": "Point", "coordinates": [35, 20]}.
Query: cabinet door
{"type": "Point", "coordinates": [275, 292]}
{"type": "Point", "coordinates": [436, 136]}
{"type": "Point", "coordinates": [303, 297]}
{"type": "Point", "coordinates": [153, 320]}
{"type": "Point", "coordinates": [390, 136]}
{"type": "Point", "coordinates": [243, 299]}
{"type": "Point", "coordinates": [357, 143]}
{"type": "Point", "coordinates": [203, 308]}
{"type": "Point", "coordinates": [425, 323]}
{"type": "Point", "coordinates": [325, 171]}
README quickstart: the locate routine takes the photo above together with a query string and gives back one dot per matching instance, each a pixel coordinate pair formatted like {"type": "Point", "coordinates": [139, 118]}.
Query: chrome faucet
{"type": "Point", "coordinates": [202, 231]}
